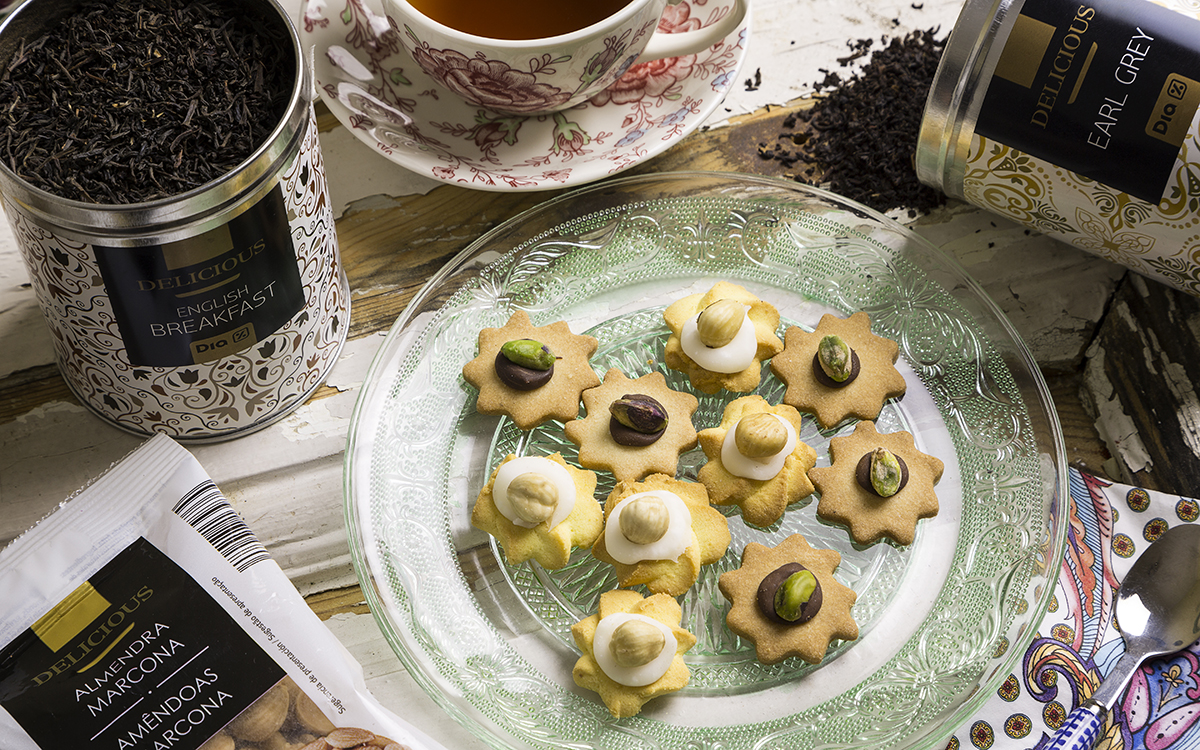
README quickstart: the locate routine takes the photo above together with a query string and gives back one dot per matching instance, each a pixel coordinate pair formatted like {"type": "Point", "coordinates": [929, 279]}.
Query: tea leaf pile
{"type": "Point", "coordinates": [127, 101]}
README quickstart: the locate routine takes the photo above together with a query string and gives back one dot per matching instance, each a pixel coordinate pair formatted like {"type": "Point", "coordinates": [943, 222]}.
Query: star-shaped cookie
{"type": "Point", "coordinates": [556, 399]}
{"type": "Point", "coordinates": [551, 547]}
{"type": "Point", "coordinates": [626, 700]}
{"type": "Point", "coordinates": [775, 641]}
{"type": "Point", "coordinates": [877, 379]}
{"type": "Point", "coordinates": [762, 501]}
{"type": "Point", "coordinates": [709, 538]}
{"type": "Point", "coordinates": [598, 449]}
{"type": "Point", "coordinates": [868, 516]}
{"type": "Point", "coordinates": [763, 316]}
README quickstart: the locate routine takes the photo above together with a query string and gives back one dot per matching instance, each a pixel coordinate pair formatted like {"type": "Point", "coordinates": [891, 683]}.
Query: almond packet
{"type": "Point", "coordinates": [143, 614]}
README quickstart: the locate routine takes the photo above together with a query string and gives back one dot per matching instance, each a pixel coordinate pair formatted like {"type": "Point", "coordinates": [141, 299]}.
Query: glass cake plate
{"type": "Point", "coordinates": [942, 621]}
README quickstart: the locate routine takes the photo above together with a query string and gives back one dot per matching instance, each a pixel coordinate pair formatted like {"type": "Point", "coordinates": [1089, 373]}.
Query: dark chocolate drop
{"type": "Point", "coordinates": [521, 378]}
{"type": "Point", "coordinates": [828, 382]}
{"type": "Point", "coordinates": [771, 583]}
{"type": "Point", "coordinates": [630, 437]}
{"type": "Point", "coordinates": [862, 473]}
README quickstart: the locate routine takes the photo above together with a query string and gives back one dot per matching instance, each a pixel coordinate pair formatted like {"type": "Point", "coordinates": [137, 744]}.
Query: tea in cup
{"type": "Point", "coordinates": [530, 57]}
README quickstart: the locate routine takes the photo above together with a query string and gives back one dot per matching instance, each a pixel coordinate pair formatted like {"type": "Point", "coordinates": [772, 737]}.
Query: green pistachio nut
{"type": "Point", "coordinates": [794, 593]}
{"type": "Point", "coordinates": [528, 353]}
{"type": "Point", "coordinates": [835, 357]}
{"type": "Point", "coordinates": [885, 472]}
{"type": "Point", "coordinates": [639, 413]}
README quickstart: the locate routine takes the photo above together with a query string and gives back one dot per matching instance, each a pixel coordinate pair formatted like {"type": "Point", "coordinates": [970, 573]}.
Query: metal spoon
{"type": "Point", "coordinates": [1158, 612]}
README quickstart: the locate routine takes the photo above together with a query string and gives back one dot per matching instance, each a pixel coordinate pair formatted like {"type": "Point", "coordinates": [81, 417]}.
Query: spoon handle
{"type": "Point", "coordinates": [1080, 729]}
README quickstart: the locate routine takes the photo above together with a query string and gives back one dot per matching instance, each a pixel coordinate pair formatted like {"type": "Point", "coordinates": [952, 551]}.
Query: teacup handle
{"type": "Point", "coordinates": [692, 42]}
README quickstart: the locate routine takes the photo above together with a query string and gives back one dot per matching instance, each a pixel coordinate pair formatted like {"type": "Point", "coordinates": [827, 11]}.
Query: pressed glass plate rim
{"type": "Point", "coordinates": [930, 738]}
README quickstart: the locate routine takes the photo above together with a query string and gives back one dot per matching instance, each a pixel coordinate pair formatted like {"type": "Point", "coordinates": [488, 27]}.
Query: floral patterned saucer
{"type": "Point", "coordinates": [376, 90]}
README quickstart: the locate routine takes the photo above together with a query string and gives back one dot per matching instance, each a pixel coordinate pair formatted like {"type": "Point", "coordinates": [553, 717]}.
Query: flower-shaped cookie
{"type": "Point", "coordinates": [776, 476]}
{"type": "Point", "coordinates": [683, 534]}
{"type": "Point", "coordinates": [735, 365]}
{"type": "Point", "coordinates": [523, 536]}
{"type": "Point", "coordinates": [845, 486]}
{"type": "Point", "coordinates": [592, 638]}
{"type": "Point", "coordinates": [557, 397]}
{"type": "Point", "coordinates": [597, 435]}
{"type": "Point", "coordinates": [874, 379]}
{"type": "Point", "coordinates": [776, 639]}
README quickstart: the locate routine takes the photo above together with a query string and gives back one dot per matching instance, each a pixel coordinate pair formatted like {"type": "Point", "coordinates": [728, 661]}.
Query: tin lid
{"type": "Point", "coordinates": [956, 96]}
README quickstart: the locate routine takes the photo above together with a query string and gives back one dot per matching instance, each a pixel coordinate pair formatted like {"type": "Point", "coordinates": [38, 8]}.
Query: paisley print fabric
{"type": "Point", "coordinates": [1077, 645]}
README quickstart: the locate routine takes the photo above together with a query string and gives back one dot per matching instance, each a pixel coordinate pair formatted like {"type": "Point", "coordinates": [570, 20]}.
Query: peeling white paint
{"type": "Point", "coordinates": [1114, 426]}
{"type": "Point", "coordinates": [1188, 410]}
{"type": "Point", "coordinates": [313, 420]}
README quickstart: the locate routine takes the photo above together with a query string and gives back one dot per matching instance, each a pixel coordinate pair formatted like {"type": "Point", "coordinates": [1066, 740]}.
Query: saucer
{"type": "Point", "coordinates": [374, 88]}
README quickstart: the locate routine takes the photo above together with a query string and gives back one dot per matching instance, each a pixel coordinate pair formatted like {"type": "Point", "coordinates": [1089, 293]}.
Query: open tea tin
{"type": "Point", "coordinates": [204, 315]}
{"type": "Point", "coordinates": [1078, 119]}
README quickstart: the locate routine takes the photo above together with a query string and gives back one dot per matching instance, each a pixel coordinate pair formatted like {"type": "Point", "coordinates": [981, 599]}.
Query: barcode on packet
{"type": "Point", "coordinates": [207, 511]}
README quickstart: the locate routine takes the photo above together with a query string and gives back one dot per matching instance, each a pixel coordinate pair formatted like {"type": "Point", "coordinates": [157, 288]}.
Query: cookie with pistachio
{"type": "Point", "coordinates": [720, 338]}
{"type": "Point", "coordinates": [634, 427]}
{"type": "Point", "coordinates": [786, 601]}
{"type": "Point", "coordinates": [878, 484]}
{"type": "Point", "coordinates": [632, 650]}
{"type": "Point", "coordinates": [531, 373]}
{"type": "Point", "coordinates": [839, 370]}
{"type": "Point", "coordinates": [756, 459]}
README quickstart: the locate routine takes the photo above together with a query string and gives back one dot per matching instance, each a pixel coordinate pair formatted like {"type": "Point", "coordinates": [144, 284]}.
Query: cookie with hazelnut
{"type": "Point", "coordinates": [632, 650]}
{"type": "Point", "coordinates": [540, 508]}
{"type": "Point", "coordinates": [659, 532]}
{"type": "Point", "coordinates": [756, 459]}
{"type": "Point", "coordinates": [720, 338]}
{"type": "Point", "coordinates": [634, 427]}
{"type": "Point", "coordinates": [878, 484]}
{"type": "Point", "coordinates": [839, 370]}
{"type": "Point", "coordinates": [531, 373]}
{"type": "Point", "coordinates": [786, 601]}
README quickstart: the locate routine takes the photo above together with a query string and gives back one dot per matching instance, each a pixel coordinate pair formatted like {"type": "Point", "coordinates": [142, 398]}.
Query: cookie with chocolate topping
{"type": "Point", "coordinates": [634, 428]}
{"type": "Point", "coordinates": [531, 373]}
{"type": "Point", "coordinates": [839, 370]}
{"type": "Point", "coordinates": [878, 485]}
{"type": "Point", "coordinates": [786, 601]}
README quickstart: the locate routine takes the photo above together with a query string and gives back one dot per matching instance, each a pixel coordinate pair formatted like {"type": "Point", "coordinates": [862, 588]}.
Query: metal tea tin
{"type": "Point", "coordinates": [206, 315]}
{"type": "Point", "coordinates": [1078, 119]}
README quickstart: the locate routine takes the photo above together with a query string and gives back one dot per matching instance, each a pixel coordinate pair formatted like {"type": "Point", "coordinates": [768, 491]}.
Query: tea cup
{"type": "Point", "coordinates": [540, 76]}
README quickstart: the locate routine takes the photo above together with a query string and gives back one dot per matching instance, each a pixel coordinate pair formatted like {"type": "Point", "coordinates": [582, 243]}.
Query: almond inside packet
{"type": "Point", "coordinates": [143, 614]}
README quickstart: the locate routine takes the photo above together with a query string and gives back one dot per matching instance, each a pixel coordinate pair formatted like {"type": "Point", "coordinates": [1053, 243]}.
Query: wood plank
{"type": "Point", "coordinates": [338, 601]}
{"type": "Point", "coordinates": [1142, 375]}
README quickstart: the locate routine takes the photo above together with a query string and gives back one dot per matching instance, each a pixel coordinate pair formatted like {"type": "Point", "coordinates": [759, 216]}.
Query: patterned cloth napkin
{"type": "Point", "coordinates": [1077, 645]}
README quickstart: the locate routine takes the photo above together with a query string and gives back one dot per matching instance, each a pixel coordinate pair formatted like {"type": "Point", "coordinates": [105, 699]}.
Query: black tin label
{"type": "Point", "coordinates": [138, 658]}
{"type": "Point", "coordinates": [208, 296]}
{"type": "Point", "coordinates": [1105, 89]}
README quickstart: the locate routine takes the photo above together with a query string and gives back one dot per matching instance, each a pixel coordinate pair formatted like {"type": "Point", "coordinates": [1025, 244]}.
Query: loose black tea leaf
{"type": "Point", "coordinates": [864, 129]}
{"type": "Point", "coordinates": [126, 101]}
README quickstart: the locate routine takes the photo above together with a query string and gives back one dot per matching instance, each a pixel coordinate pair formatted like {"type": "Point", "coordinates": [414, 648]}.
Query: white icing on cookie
{"type": "Point", "coordinates": [555, 472]}
{"type": "Point", "coordinates": [756, 468]}
{"type": "Point", "coordinates": [735, 356]}
{"type": "Point", "coordinates": [631, 676]}
{"type": "Point", "coordinates": [672, 544]}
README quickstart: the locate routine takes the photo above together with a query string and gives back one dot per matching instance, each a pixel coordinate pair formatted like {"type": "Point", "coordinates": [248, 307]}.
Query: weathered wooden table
{"type": "Point", "coordinates": [1118, 352]}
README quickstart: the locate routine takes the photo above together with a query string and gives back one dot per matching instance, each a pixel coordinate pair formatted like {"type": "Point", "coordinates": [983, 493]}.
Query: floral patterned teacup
{"type": "Point", "coordinates": [537, 76]}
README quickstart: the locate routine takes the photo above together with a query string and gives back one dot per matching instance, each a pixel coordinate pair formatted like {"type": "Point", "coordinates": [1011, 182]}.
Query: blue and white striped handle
{"type": "Point", "coordinates": [1080, 729]}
